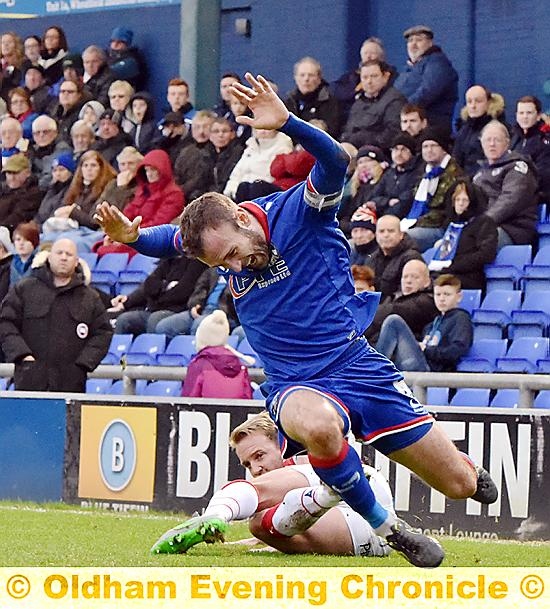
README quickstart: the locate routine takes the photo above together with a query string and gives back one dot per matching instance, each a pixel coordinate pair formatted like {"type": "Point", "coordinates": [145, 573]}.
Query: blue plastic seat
{"type": "Point", "coordinates": [166, 388]}
{"type": "Point", "coordinates": [505, 272]}
{"type": "Point", "coordinates": [117, 388]}
{"type": "Point", "coordinates": [120, 343]}
{"type": "Point", "coordinates": [533, 319]}
{"type": "Point", "coordinates": [536, 276]}
{"type": "Point", "coordinates": [106, 271]}
{"type": "Point", "coordinates": [179, 351]}
{"type": "Point", "coordinates": [144, 349]}
{"type": "Point", "coordinates": [90, 258]}
{"type": "Point", "coordinates": [3, 383]}
{"type": "Point", "coordinates": [506, 398]}
{"type": "Point", "coordinates": [138, 269]}
{"type": "Point", "coordinates": [428, 254]}
{"type": "Point", "coordinates": [246, 349]}
{"type": "Point", "coordinates": [523, 355]}
{"type": "Point", "coordinates": [471, 299]}
{"type": "Point", "coordinates": [470, 397]}
{"type": "Point", "coordinates": [543, 230]}
{"type": "Point", "coordinates": [543, 399]}
{"type": "Point", "coordinates": [437, 396]}
{"type": "Point", "coordinates": [482, 355]}
{"type": "Point", "coordinates": [495, 312]}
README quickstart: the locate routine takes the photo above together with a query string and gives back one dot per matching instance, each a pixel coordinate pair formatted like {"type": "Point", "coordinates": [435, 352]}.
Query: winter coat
{"type": "Point", "coordinates": [52, 62]}
{"type": "Point", "coordinates": [431, 82]}
{"type": "Point", "coordinates": [455, 332]}
{"type": "Point", "coordinates": [67, 118]}
{"type": "Point", "coordinates": [193, 169]}
{"type": "Point", "coordinates": [5, 268]}
{"type": "Point", "coordinates": [41, 161]}
{"type": "Point", "coordinates": [535, 144]}
{"type": "Point", "coordinates": [224, 162]}
{"type": "Point", "coordinates": [511, 187]}
{"type": "Point", "coordinates": [119, 196]}
{"type": "Point", "coordinates": [256, 160]}
{"type": "Point", "coordinates": [112, 147]}
{"type": "Point", "coordinates": [82, 212]}
{"type": "Point", "coordinates": [98, 85]}
{"type": "Point", "coordinates": [159, 202]}
{"type": "Point", "coordinates": [54, 198]}
{"type": "Point", "coordinates": [291, 168]}
{"type": "Point", "coordinates": [374, 120]}
{"type": "Point", "coordinates": [360, 253]}
{"type": "Point", "coordinates": [205, 284]}
{"type": "Point", "coordinates": [65, 329]}
{"type": "Point", "coordinates": [128, 64]}
{"type": "Point", "coordinates": [320, 104]}
{"type": "Point", "coordinates": [19, 204]}
{"type": "Point", "coordinates": [41, 99]}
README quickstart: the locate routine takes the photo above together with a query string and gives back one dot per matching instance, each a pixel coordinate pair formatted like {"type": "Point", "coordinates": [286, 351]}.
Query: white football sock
{"type": "Point", "coordinates": [236, 500]}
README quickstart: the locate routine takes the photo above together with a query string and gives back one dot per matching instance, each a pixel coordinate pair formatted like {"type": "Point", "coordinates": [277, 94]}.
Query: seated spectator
{"type": "Point", "coordinates": [73, 69]}
{"type": "Point", "coordinates": [13, 56]}
{"type": "Point", "coordinates": [312, 97]}
{"type": "Point", "coordinates": [120, 94]}
{"type": "Point", "coordinates": [38, 89]}
{"type": "Point", "coordinates": [90, 113]}
{"type": "Point", "coordinates": [173, 137]}
{"type": "Point", "coordinates": [165, 292]}
{"type": "Point", "coordinates": [97, 74]}
{"type": "Point", "coordinates": [71, 100]}
{"type": "Point", "coordinates": [121, 189]}
{"type": "Point", "coordinates": [470, 238]}
{"type": "Point", "coordinates": [370, 166]}
{"type": "Point", "coordinates": [62, 170]}
{"type": "Point", "coordinates": [110, 138]}
{"type": "Point", "coordinates": [225, 153]}
{"type": "Point", "coordinates": [177, 96]}
{"type": "Point", "coordinates": [124, 60]}
{"type": "Point", "coordinates": [82, 138]}
{"type": "Point", "coordinates": [481, 107]}
{"type": "Point", "coordinates": [45, 148]}
{"type": "Point", "coordinates": [446, 339]}
{"type": "Point", "coordinates": [531, 137]}
{"type": "Point", "coordinates": [363, 233]}
{"type": "Point", "coordinates": [429, 79]}
{"type": "Point", "coordinates": [363, 278]}
{"type": "Point", "coordinates": [424, 222]}
{"type": "Point", "coordinates": [394, 193]}
{"type": "Point", "coordinates": [20, 196]}
{"type": "Point", "coordinates": [216, 370]}
{"type": "Point", "coordinates": [144, 127]}
{"type": "Point", "coordinates": [509, 181]}
{"type": "Point", "coordinates": [415, 302]}
{"type": "Point", "coordinates": [251, 176]}
{"type": "Point", "coordinates": [238, 108]}
{"type": "Point", "coordinates": [395, 249]}
{"type": "Point", "coordinates": [54, 50]}
{"type": "Point", "coordinates": [375, 114]}
{"type": "Point", "coordinates": [291, 168]}
{"type": "Point", "coordinates": [222, 108]}
{"type": "Point", "coordinates": [11, 134]}
{"type": "Point", "coordinates": [6, 255]}
{"type": "Point", "coordinates": [413, 121]}
{"type": "Point", "coordinates": [32, 46]}
{"type": "Point", "coordinates": [19, 106]}
{"type": "Point", "coordinates": [26, 239]}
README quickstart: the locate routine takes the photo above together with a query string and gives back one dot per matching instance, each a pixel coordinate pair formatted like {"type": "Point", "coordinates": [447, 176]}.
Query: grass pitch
{"type": "Point", "coordinates": [60, 535]}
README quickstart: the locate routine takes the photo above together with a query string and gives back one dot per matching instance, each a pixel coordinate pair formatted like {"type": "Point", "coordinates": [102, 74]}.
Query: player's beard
{"type": "Point", "coordinates": [260, 253]}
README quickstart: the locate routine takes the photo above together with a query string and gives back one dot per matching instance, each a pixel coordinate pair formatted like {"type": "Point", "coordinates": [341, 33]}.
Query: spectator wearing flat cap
{"type": "Point", "coordinates": [395, 192]}
{"type": "Point", "coordinates": [36, 86]}
{"type": "Point", "coordinates": [429, 79]}
{"type": "Point", "coordinates": [20, 196]}
{"type": "Point", "coordinates": [126, 61]}
{"type": "Point", "coordinates": [426, 218]}
{"type": "Point", "coordinates": [371, 162]}
{"type": "Point", "coordinates": [363, 233]}
{"type": "Point", "coordinates": [110, 138]}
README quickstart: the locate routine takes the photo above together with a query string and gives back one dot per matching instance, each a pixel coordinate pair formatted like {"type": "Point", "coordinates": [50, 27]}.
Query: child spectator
{"type": "Point", "coordinates": [363, 278]}
{"type": "Point", "coordinates": [26, 239]}
{"type": "Point", "coordinates": [363, 235]}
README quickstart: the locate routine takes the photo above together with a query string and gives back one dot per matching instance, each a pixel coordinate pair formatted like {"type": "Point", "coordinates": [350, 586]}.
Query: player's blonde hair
{"type": "Point", "coordinates": [259, 422]}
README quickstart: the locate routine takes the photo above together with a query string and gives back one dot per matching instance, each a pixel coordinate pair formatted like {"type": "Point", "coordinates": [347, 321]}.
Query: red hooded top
{"type": "Point", "coordinates": [157, 202]}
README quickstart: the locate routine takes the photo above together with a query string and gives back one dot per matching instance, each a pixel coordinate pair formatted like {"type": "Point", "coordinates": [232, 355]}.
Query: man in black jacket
{"type": "Point", "coordinates": [53, 326]}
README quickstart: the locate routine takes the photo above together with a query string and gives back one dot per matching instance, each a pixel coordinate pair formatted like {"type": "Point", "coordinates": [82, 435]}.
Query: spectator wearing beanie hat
{"type": "Point", "coordinates": [363, 232]}
{"type": "Point", "coordinates": [63, 168]}
{"type": "Point", "coordinates": [426, 218]}
{"type": "Point", "coordinates": [371, 163]}
{"type": "Point", "coordinates": [395, 192]}
{"type": "Point", "coordinates": [124, 60]}
{"type": "Point", "coordinates": [216, 371]}
{"type": "Point", "coordinates": [26, 239]}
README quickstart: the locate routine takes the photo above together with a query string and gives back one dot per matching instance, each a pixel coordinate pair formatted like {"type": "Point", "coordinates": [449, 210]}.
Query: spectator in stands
{"type": "Point", "coordinates": [174, 136]}
{"type": "Point", "coordinates": [165, 292]}
{"type": "Point", "coordinates": [53, 326]}
{"type": "Point", "coordinates": [97, 74]}
{"type": "Point", "coordinates": [426, 217]}
{"type": "Point", "coordinates": [531, 137]}
{"type": "Point", "coordinates": [371, 164]}
{"type": "Point", "coordinates": [394, 193]}
{"type": "Point", "coordinates": [481, 107]}
{"type": "Point", "coordinates": [375, 114]}
{"type": "Point", "coordinates": [363, 233]}
{"type": "Point", "coordinates": [292, 167]}
{"type": "Point", "coordinates": [395, 249]}
{"type": "Point", "coordinates": [71, 100]}
{"type": "Point", "coordinates": [121, 189]}
{"type": "Point", "coordinates": [62, 170]}
{"type": "Point", "coordinates": [32, 46]}
{"type": "Point", "coordinates": [413, 121]}
{"type": "Point", "coordinates": [90, 113]}
{"type": "Point", "coordinates": [26, 239]}
{"type": "Point", "coordinates": [120, 93]}
{"type": "Point", "coordinates": [349, 84]}
{"type": "Point", "coordinates": [509, 181]}
{"type": "Point", "coordinates": [46, 147]}
{"type": "Point", "coordinates": [124, 60]}
{"type": "Point", "coordinates": [82, 138]}
{"type": "Point", "coordinates": [237, 107]}
{"type": "Point", "coordinates": [54, 50]}
{"type": "Point", "coordinates": [216, 370]}
{"type": "Point", "coordinates": [429, 78]}
{"type": "Point", "coordinates": [19, 106]}
{"type": "Point", "coordinates": [20, 196]}
{"type": "Point", "coordinates": [222, 108]}
{"type": "Point", "coordinates": [177, 96]}
{"type": "Point", "coordinates": [36, 86]}
{"type": "Point", "coordinates": [73, 68]}
{"type": "Point", "coordinates": [110, 138]}
{"type": "Point", "coordinates": [11, 134]}
{"type": "Point", "coordinates": [312, 97]}
{"type": "Point", "coordinates": [363, 278]}
{"type": "Point", "coordinates": [470, 238]}
{"type": "Point", "coordinates": [251, 177]}
{"type": "Point", "coordinates": [13, 56]}
{"type": "Point", "coordinates": [144, 127]}
{"type": "Point", "coordinates": [225, 153]}
{"type": "Point", "coordinates": [446, 339]}
{"type": "Point", "coordinates": [415, 302]}
{"type": "Point", "coordinates": [6, 255]}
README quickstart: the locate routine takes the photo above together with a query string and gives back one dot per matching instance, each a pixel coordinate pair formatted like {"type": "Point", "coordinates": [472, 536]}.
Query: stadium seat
{"type": "Point", "coordinates": [106, 271]}
{"type": "Point", "coordinates": [90, 258]}
{"type": "Point", "coordinates": [117, 388]}
{"type": "Point", "coordinates": [543, 231]}
{"type": "Point", "coordinates": [428, 254]}
{"type": "Point", "coordinates": [505, 272]}
{"type": "Point", "coordinates": [523, 355]}
{"type": "Point", "coordinates": [160, 388]}
{"type": "Point", "coordinates": [144, 349]}
{"type": "Point", "coordinates": [543, 365]}
{"type": "Point", "coordinates": [491, 319]}
{"type": "Point", "coordinates": [533, 319]}
{"type": "Point", "coordinates": [258, 395]}
{"type": "Point", "coordinates": [3, 384]}
{"type": "Point", "coordinates": [437, 396]}
{"type": "Point", "coordinates": [471, 300]}
{"type": "Point", "coordinates": [120, 343]}
{"type": "Point", "coordinates": [98, 385]}
{"type": "Point", "coordinates": [137, 270]}
{"type": "Point", "coordinates": [543, 399]}
{"type": "Point", "coordinates": [506, 398]}
{"type": "Point", "coordinates": [246, 349]}
{"type": "Point", "coordinates": [536, 276]}
{"type": "Point", "coordinates": [179, 351]}
{"type": "Point", "coordinates": [470, 397]}
{"type": "Point", "coordinates": [482, 355]}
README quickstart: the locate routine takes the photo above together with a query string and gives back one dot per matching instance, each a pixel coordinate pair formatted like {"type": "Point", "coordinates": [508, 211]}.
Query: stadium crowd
{"type": "Point", "coordinates": [427, 205]}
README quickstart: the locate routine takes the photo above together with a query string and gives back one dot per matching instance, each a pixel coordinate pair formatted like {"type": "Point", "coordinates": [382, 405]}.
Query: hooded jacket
{"type": "Point", "coordinates": [143, 134]}
{"type": "Point", "coordinates": [456, 335]}
{"type": "Point", "coordinates": [536, 145]}
{"type": "Point", "coordinates": [157, 202]}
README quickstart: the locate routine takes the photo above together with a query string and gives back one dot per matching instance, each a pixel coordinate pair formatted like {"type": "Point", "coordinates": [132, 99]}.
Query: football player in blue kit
{"type": "Point", "coordinates": [287, 265]}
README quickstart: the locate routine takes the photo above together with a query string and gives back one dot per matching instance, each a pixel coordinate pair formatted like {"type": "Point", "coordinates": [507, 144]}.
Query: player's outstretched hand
{"type": "Point", "coordinates": [268, 109]}
{"type": "Point", "coordinates": [115, 224]}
